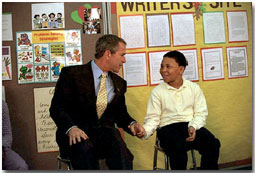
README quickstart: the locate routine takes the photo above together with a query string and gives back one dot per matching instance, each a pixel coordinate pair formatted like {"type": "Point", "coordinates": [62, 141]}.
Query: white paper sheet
{"type": "Point", "coordinates": [134, 70]}
{"type": "Point", "coordinates": [237, 62]}
{"type": "Point", "coordinates": [212, 64]}
{"type": "Point", "coordinates": [132, 31]}
{"type": "Point", "coordinates": [238, 26]}
{"type": "Point", "coordinates": [214, 30]}
{"type": "Point", "coordinates": [155, 59]}
{"type": "Point", "coordinates": [7, 27]}
{"type": "Point", "coordinates": [183, 29]}
{"type": "Point", "coordinates": [158, 30]}
{"type": "Point", "coordinates": [191, 71]}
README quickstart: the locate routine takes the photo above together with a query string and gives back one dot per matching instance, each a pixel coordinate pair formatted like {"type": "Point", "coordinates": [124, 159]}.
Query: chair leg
{"type": "Point", "coordinates": [166, 162]}
{"type": "Point", "coordinates": [155, 159]}
{"type": "Point", "coordinates": [59, 165]}
{"type": "Point", "coordinates": [69, 167]}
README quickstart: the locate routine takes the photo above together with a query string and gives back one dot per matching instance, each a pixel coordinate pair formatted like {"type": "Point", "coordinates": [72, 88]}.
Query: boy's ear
{"type": "Point", "coordinates": [182, 69]}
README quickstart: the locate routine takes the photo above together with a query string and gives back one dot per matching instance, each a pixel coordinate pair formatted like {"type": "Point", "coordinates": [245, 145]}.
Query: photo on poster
{"type": "Point", "coordinates": [73, 56]}
{"type": "Point", "coordinates": [41, 53]}
{"type": "Point", "coordinates": [25, 56]}
{"type": "Point", "coordinates": [48, 16]}
{"type": "Point", "coordinates": [26, 73]}
{"type": "Point", "coordinates": [6, 63]}
{"type": "Point", "coordinates": [56, 67]}
{"type": "Point", "coordinates": [24, 40]}
{"type": "Point", "coordinates": [92, 18]}
{"type": "Point", "coordinates": [42, 73]}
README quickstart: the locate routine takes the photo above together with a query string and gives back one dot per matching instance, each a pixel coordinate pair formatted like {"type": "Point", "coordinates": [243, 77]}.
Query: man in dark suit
{"type": "Point", "coordinates": [82, 134]}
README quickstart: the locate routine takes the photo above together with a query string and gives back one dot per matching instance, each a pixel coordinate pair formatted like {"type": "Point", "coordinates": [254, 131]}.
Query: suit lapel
{"type": "Point", "coordinates": [87, 84]}
{"type": "Point", "coordinates": [117, 86]}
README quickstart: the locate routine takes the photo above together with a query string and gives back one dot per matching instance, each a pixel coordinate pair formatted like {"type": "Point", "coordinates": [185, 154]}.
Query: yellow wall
{"type": "Point", "coordinates": [229, 101]}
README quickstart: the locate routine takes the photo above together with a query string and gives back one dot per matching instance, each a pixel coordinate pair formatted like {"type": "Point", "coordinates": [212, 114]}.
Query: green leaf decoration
{"type": "Point", "coordinates": [88, 6]}
{"type": "Point", "coordinates": [76, 18]}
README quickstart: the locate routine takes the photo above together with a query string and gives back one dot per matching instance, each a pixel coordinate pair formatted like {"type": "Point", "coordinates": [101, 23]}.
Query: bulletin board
{"type": "Point", "coordinates": [206, 36]}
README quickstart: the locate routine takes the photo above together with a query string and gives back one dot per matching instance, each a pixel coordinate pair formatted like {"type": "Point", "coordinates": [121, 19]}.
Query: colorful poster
{"type": "Point", "coordinates": [6, 63]}
{"type": "Point", "coordinates": [42, 54]}
{"type": "Point", "coordinates": [48, 16]}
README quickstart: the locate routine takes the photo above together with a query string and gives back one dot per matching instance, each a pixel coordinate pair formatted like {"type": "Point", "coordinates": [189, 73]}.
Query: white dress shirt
{"type": "Point", "coordinates": [168, 105]}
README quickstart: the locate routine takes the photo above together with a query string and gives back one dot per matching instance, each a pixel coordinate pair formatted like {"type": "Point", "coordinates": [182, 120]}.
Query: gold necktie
{"type": "Point", "coordinates": [102, 96]}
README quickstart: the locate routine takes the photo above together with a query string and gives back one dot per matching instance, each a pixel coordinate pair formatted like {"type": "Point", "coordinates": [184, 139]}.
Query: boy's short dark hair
{"type": "Point", "coordinates": [178, 56]}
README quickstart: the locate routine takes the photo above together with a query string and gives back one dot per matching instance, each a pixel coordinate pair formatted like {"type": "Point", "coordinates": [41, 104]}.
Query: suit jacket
{"type": "Point", "coordinates": [74, 103]}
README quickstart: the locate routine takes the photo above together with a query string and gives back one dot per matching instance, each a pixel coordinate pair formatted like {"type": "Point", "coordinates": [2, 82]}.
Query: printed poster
{"type": "Point", "coordinates": [48, 16]}
{"type": "Point", "coordinates": [42, 54]}
{"type": "Point", "coordinates": [6, 63]}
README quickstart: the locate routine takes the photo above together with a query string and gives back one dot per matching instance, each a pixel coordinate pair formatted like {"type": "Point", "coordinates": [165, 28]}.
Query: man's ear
{"type": "Point", "coordinates": [107, 53]}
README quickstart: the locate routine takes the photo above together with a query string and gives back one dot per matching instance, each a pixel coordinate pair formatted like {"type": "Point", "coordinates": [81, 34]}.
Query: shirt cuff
{"type": "Point", "coordinates": [133, 122]}
{"type": "Point", "coordinates": [70, 129]}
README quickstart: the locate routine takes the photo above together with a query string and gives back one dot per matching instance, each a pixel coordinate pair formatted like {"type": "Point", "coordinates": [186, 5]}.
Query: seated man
{"type": "Point", "coordinates": [88, 101]}
{"type": "Point", "coordinates": [178, 108]}
{"type": "Point", "coordinates": [10, 159]}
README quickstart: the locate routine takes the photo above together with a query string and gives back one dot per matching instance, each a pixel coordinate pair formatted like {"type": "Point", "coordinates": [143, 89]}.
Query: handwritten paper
{"type": "Point", "coordinates": [214, 30]}
{"type": "Point", "coordinates": [45, 126]}
{"type": "Point", "coordinates": [238, 26]}
{"type": "Point", "coordinates": [7, 27]}
{"type": "Point", "coordinates": [183, 29]}
{"type": "Point", "coordinates": [158, 36]}
{"type": "Point", "coordinates": [134, 70]}
{"type": "Point", "coordinates": [132, 31]}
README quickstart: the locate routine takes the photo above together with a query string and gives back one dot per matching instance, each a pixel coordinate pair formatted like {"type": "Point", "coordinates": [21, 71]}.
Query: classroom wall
{"type": "Point", "coordinates": [229, 101]}
{"type": "Point", "coordinates": [20, 97]}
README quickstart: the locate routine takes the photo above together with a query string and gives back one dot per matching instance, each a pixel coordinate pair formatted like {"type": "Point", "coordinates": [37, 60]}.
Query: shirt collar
{"type": "Point", "coordinates": [184, 85]}
{"type": "Point", "coordinates": [97, 72]}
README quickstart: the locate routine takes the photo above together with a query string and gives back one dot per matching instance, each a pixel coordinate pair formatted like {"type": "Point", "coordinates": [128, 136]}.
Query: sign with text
{"type": "Point", "coordinates": [45, 126]}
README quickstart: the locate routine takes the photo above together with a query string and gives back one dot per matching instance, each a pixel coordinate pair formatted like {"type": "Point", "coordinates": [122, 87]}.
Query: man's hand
{"type": "Point", "coordinates": [76, 134]}
{"type": "Point", "coordinates": [137, 130]}
{"type": "Point", "coordinates": [192, 134]}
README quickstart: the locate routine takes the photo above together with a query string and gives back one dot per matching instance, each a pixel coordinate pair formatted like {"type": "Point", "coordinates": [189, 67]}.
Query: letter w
{"type": "Point", "coordinates": [127, 4]}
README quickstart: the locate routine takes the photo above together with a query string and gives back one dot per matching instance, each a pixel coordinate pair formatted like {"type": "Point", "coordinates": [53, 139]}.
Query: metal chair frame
{"type": "Point", "coordinates": [167, 161]}
{"type": "Point", "coordinates": [67, 162]}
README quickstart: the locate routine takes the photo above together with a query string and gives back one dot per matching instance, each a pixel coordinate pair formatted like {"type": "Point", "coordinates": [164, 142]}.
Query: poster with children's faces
{"type": "Point", "coordinates": [48, 16]}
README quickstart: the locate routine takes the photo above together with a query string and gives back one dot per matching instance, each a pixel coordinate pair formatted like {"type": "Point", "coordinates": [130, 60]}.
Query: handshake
{"type": "Point", "coordinates": [137, 130]}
